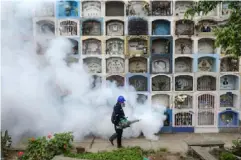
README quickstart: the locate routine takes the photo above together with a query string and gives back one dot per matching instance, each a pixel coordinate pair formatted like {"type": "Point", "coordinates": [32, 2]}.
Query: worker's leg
{"type": "Point", "coordinates": [119, 137]}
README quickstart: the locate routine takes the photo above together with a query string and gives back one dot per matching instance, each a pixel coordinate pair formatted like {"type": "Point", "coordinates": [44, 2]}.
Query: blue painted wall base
{"type": "Point", "coordinates": [183, 129]}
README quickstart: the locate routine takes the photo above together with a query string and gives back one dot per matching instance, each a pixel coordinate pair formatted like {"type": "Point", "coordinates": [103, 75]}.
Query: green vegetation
{"type": "Point", "coordinates": [6, 142]}
{"type": "Point", "coordinates": [228, 35]}
{"type": "Point", "coordinates": [129, 153]}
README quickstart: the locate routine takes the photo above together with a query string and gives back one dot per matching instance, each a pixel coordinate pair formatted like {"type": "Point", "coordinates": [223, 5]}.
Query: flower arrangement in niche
{"type": "Point", "coordinates": [179, 100]}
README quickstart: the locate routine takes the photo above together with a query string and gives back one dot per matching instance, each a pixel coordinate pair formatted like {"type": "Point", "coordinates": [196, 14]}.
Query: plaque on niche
{"type": "Point", "coordinates": [115, 46]}
{"type": "Point", "coordinates": [183, 46]}
{"type": "Point", "coordinates": [205, 65]}
{"type": "Point", "coordinates": [91, 28]}
{"type": "Point", "coordinates": [137, 8]}
{"type": "Point", "coordinates": [91, 8]}
{"type": "Point", "coordinates": [137, 26]}
{"type": "Point", "coordinates": [115, 28]}
{"type": "Point", "coordinates": [161, 83]}
{"type": "Point", "coordinates": [137, 65]}
{"type": "Point", "coordinates": [93, 64]}
{"type": "Point", "coordinates": [139, 83]}
{"type": "Point", "coordinates": [160, 66]}
{"type": "Point", "coordinates": [206, 46]}
{"type": "Point", "coordinates": [225, 9]}
{"type": "Point", "coordinates": [161, 46]}
{"type": "Point", "coordinates": [91, 46]}
{"type": "Point", "coordinates": [68, 8]}
{"type": "Point", "coordinates": [184, 27]}
{"type": "Point", "coordinates": [161, 8]}
{"type": "Point", "coordinates": [115, 65]}
{"type": "Point", "coordinates": [183, 64]}
{"type": "Point", "coordinates": [226, 100]}
{"type": "Point", "coordinates": [137, 46]}
{"type": "Point", "coordinates": [68, 28]}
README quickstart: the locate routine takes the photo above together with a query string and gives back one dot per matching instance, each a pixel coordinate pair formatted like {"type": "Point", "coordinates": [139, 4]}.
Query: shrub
{"type": "Point", "coordinates": [47, 147]}
{"type": "Point", "coordinates": [236, 148]}
{"type": "Point", "coordinates": [6, 142]}
{"type": "Point", "coordinates": [227, 156]}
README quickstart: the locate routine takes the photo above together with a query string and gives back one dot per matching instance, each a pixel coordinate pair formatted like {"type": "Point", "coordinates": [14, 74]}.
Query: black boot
{"type": "Point", "coordinates": [112, 138]}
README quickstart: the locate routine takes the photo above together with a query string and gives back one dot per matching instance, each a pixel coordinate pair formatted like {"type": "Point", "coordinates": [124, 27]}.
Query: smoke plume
{"type": "Point", "coordinates": [41, 94]}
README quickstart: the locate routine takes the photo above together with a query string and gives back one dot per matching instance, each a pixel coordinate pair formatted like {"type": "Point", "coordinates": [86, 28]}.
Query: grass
{"type": "Point", "coordinates": [129, 153]}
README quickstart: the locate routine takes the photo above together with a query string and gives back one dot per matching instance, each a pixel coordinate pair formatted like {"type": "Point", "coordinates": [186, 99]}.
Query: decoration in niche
{"type": "Point", "coordinates": [206, 46]}
{"type": "Point", "coordinates": [114, 8]}
{"type": "Point", "coordinates": [161, 83]}
{"type": "Point", "coordinates": [183, 64]}
{"type": "Point", "coordinates": [182, 6]}
{"type": "Point", "coordinates": [205, 64]}
{"type": "Point", "coordinates": [167, 121]}
{"type": "Point", "coordinates": [117, 79]}
{"type": "Point", "coordinates": [68, 8]}
{"type": "Point", "coordinates": [115, 28]}
{"type": "Point", "coordinates": [161, 46]}
{"type": "Point", "coordinates": [91, 47]}
{"type": "Point", "coordinates": [91, 28]}
{"type": "Point", "coordinates": [183, 119]}
{"type": "Point", "coordinates": [226, 100]}
{"type": "Point", "coordinates": [138, 82]}
{"type": "Point", "coordinates": [161, 27]}
{"type": "Point", "coordinates": [96, 81]}
{"type": "Point", "coordinates": [228, 118]}
{"type": "Point", "coordinates": [93, 64]}
{"type": "Point", "coordinates": [229, 64]}
{"type": "Point", "coordinates": [91, 8]}
{"type": "Point", "coordinates": [141, 98]}
{"type": "Point", "coordinates": [184, 27]}
{"type": "Point", "coordinates": [137, 45]}
{"type": "Point", "coordinates": [137, 8]}
{"type": "Point", "coordinates": [160, 66]}
{"type": "Point", "coordinates": [206, 83]}
{"type": "Point", "coordinates": [161, 8]}
{"type": "Point", "coordinates": [115, 46]}
{"type": "Point", "coordinates": [137, 65]}
{"type": "Point", "coordinates": [225, 9]}
{"type": "Point", "coordinates": [68, 28]}
{"type": "Point", "coordinates": [183, 101]}
{"type": "Point", "coordinates": [45, 9]}
{"type": "Point", "coordinates": [228, 82]}
{"type": "Point", "coordinates": [206, 26]}
{"type": "Point", "coordinates": [183, 83]}
{"type": "Point", "coordinates": [137, 26]}
{"type": "Point", "coordinates": [46, 27]}
{"type": "Point", "coordinates": [183, 46]}
{"type": "Point", "coordinates": [115, 65]}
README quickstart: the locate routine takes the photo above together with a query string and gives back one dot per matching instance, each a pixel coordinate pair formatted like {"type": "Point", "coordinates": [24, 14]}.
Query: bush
{"type": "Point", "coordinates": [45, 148]}
{"type": "Point", "coordinates": [227, 156]}
{"type": "Point", "coordinates": [6, 142]}
{"type": "Point", "coordinates": [129, 153]}
{"type": "Point", "coordinates": [236, 148]}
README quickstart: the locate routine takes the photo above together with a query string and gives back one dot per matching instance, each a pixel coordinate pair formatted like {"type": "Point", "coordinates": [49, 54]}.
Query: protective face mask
{"type": "Point", "coordinates": [123, 105]}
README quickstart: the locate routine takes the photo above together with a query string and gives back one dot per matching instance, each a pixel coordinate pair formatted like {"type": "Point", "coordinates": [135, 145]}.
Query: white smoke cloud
{"type": "Point", "coordinates": [33, 87]}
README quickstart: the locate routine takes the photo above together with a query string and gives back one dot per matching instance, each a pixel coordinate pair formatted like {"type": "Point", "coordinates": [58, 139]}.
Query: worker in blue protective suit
{"type": "Point", "coordinates": [117, 115]}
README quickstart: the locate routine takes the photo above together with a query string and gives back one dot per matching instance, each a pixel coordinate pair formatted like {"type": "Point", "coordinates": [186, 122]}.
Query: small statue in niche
{"type": "Point", "coordinates": [182, 47]}
{"type": "Point", "coordinates": [225, 81]}
{"type": "Point", "coordinates": [206, 28]}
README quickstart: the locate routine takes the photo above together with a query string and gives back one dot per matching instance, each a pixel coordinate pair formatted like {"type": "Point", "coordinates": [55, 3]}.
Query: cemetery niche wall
{"type": "Point", "coordinates": [139, 82]}
{"type": "Point", "coordinates": [161, 8]}
{"type": "Point", "coordinates": [228, 100]}
{"type": "Point", "coordinates": [114, 8]}
{"type": "Point", "coordinates": [118, 80]}
{"type": "Point", "coordinates": [228, 118]}
{"type": "Point", "coordinates": [229, 64]}
{"type": "Point", "coordinates": [115, 65]}
{"type": "Point", "coordinates": [91, 46]}
{"type": "Point", "coordinates": [229, 82]}
{"type": "Point", "coordinates": [137, 65]}
{"type": "Point", "coordinates": [141, 98]}
{"type": "Point", "coordinates": [183, 64]}
{"type": "Point", "coordinates": [183, 46]}
{"type": "Point", "coordinates": [73, 55]}
{"type": "Point", "coordinates": [206, 46]}
{"type": "Point", "coordinates": [161, 99]}
{"type": "Point", "coordinates": [138, 8]}
{"type": "Point", "coordinates": [96, 81]}
{"type": "Point", "coordinates": [161, 27]}
{"type": "Point", "coordinates": [137, 45]}
{"type": "Point", "coordinates": [161, 83]}
{"type": "Point", "coordinates": [182, 6]}
{"type": "Point", "coordinates": [206, 64]}
{"type": "Point", "coordinates": [115, 46]}
{"type": "Point", "coordinates": [206, 83]}
{"type": "Point", "coordinates": [114, 28]}
{"type": "Point", "coordinates": [161, 46]}
{"type": "Point", "coordinates": [183, 122]}
{"type": "Point", "coordinates": [93, 64]}
{"type": "Point", "coordinates": [183, 83]}
{"type": "Point", "coordinates": [45, 9]}
{"type": "Point", "coordinates": [68, 27]}
{"type": "Point", "coordinates": [45, 27]}
{"type": "Point", "coordinates": [68, 8]}
{"type": "Point", "coordinates": [137, 26]}
{"type": "Point", "coordinates": [206, 27]}
{"type": "Point", "coordinates": [160, 64]}
{"type": "Point", "coordinates": [184, 27]}
{"type": "Point", "coordinates": [91, 9]}
{"type": "Point", "coordinates": [91, 27]}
